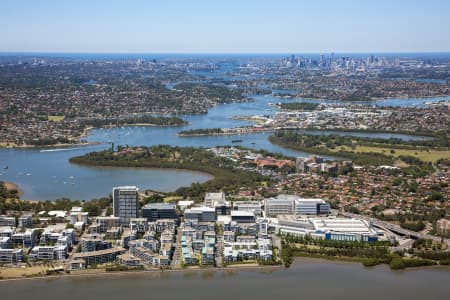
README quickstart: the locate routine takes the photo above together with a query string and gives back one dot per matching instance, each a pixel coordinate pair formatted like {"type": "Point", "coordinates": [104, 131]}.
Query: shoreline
{"type": "Point", "coordinates": [298, 261]}
{"type": "Point", "coordinates": [147, 168]}
{"type": "Point", "coordinates": [425, 135]}
{"type": "Point", "coordinates": [144, 272]}
{"type": "Point", "coordinates": [84, 134]}
{"type": "Point", "coordinates": [312, 260]}
{"type": "Point", "coordinates": [377, 99]}
{"type": "Point", "coordinates": [26, 146]}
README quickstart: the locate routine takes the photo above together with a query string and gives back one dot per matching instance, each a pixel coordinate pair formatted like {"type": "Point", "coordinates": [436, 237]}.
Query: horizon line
{"type": "Point", "coordinates": [225, 53]}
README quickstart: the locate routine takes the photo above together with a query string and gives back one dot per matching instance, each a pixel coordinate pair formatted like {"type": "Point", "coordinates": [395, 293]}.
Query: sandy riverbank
{"type": "Point", "coordinates": [102, 273]}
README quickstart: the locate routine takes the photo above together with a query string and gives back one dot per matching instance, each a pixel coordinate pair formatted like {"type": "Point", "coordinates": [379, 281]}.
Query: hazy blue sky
{"type": "Point", "coordinates": [225, 26]}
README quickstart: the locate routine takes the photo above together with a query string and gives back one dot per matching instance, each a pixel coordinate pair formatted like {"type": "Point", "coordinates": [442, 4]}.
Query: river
{"type": "Point", "coordinates": [306, 279]}
{"type": "Point", "coordinates": [47, 175]}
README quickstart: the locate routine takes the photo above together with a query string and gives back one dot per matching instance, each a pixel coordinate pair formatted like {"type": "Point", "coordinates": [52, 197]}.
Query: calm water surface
{"type": "Point", "coordinates": [47, 175]}
{"type": "Point", "coordinates": [306, 279]}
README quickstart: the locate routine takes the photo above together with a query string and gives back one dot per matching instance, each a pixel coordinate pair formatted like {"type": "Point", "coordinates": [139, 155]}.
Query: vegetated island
{"type": "Point", "coordinates": [201, 132]}
{"type": "Point", "coordinates": [143, 120]}
{"type": "Point", "coordinates": [226, 176]}
{"type": "Point", "coordinates": [413, 157]}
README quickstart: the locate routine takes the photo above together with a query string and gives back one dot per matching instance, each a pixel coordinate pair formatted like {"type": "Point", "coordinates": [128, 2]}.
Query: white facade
{"type": "Point", "coordinates": [253, 206]}
{"type": "Point", "coordinates": [251, 249]}
{"type": "Point", "coordinates": [281, 205]}
{"type": "Point", "coordinates": [79, 216]}
{"type": "Point", "coordinates": [342, 229]}
{"type": "Point", "coordinates": [211, 199]}
{"type": "Point", "coordinates": [342, 225]}
{"type": "Point", "coordinates": [58, 252]}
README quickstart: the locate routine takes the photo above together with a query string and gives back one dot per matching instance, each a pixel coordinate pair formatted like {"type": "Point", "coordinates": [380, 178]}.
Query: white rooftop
{"type": "Point", "coordinates": [341, 225]}
{"type": "Point", "coordinates": [201, 209]}
{"type": "Point", "coordinates": [242, 213]}
{"type": "Point", "coordinates": [185, 202]}
{"type": "Point", "coordinates": [57, 213]}
{"type": "Point", "coordinates": [76, 209]}
{"type": "Point", "coordinates": [310, 200]}
{"type": "Point", "coordinates": [224, 219]}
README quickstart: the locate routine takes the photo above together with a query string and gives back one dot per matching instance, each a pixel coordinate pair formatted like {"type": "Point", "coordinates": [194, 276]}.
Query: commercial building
{"type": "Point", "coordinates": [341, 229]}
{"type": "Point", "coordinates": [345, 229]}
{"type": "Point", "coordinates": [156, 211]}
{"type": "Point", "coordinates": [281, 205]}
{"type": "Point", "coordinates": [183, 204]}
{"type": "Point", "coordinates": [252, 206]}
{"type": "Point", "coordinates": [242, 216]}
{"type": "Point", "coordinates": [306, 206]}
{"type": "Point", "coordinates": [201, 214]}
{"type": "Point", "coordinates": [211, 199]}
{"type": "Point", "coordinates": [79, 216]}
{"type": "Point", "coordinates": [125, 203]}
{"type": "Point", "coordinates": [218, 202]}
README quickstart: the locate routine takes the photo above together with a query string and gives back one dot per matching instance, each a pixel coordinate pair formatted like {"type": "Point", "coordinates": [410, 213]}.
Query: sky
{"type": "Point", "coordinates": [228, 26]}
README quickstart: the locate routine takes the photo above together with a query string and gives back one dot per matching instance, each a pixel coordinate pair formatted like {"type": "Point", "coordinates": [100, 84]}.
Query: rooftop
{"type": "Point", "coordinates": [159, 206]}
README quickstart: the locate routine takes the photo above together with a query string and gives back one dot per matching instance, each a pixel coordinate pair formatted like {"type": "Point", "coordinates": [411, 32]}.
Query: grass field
{"type": "Point", "coordinates": [56, 118]}
{"type": "Point", "coordinates": [431, 155]}
{"type": "Point", "coordinates": [172, 198]}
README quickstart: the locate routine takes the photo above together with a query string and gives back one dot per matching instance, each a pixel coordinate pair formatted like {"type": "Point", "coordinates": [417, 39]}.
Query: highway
{"type": "Point", "coordinates": [395, 228]}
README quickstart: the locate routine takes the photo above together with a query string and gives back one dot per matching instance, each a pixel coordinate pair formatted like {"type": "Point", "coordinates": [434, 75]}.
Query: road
{"type": "Point", "coordinates": [176, 258]}
{"type": "Point", "coordinates": [396, 228]}
{"type": "Point", "coordinates": [219, 250]}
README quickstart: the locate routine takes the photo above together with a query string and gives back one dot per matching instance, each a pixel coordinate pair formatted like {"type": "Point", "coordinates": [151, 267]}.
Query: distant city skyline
{"type": "Point", "coordinates": [201, 26]}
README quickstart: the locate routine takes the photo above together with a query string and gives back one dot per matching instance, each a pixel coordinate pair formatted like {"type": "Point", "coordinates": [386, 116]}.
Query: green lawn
{"type": "Point", "coordinates": [56, 118]}
{"type": "Point", "coordinates": [431, 155]}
